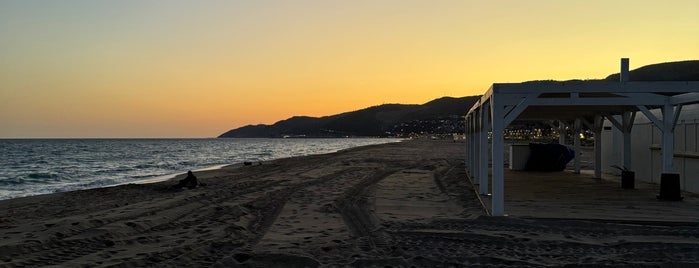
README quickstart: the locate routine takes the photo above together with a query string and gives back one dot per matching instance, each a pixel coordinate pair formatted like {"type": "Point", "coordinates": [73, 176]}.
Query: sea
{"type": "Point", "coordinates": [40, 166]}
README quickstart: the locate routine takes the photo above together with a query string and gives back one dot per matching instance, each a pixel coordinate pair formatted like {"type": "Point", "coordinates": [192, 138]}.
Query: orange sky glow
{"type": "Point", "coordinates": [199, 68]}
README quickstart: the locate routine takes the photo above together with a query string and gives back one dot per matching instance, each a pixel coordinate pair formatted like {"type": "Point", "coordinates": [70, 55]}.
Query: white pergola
{"type": "Point", "coordinates": [581, 102]}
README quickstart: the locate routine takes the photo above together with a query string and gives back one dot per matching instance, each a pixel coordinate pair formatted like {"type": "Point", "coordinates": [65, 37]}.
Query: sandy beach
{"type": "Point", "coordinates": [392, 205]}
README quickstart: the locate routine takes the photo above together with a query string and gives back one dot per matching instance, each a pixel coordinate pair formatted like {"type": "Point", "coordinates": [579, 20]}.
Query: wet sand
{"type": "Point", "coordinates": [392, 205]}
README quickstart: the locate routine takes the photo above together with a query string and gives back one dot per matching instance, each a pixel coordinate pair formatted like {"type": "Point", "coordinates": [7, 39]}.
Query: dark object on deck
{"type": "Point", "coordinates": [670, 187]}
{"type": "Point", "coordinates": [628, 179]}
{"type": "Point", "coordinates": [548, 157]}
{"type": "Point", "coordinates": [247, 163]}
{"type": "Point", "coordinates": [190, 181]}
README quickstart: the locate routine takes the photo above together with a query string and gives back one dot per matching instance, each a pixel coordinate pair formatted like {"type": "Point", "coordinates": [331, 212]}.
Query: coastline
{"type": "Point", "coordinates": [62, 165]}
{"type": "Point", "coordinates": [396, 204]}
{"type": "Point", "coordinates": [168, 177]}
{"type": "Point", "coordinates": [172, 176]}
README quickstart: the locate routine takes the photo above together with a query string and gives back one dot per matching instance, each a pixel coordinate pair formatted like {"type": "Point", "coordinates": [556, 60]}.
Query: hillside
{"type": "Point", "coordinates": [440, 116]}
{"type": "Point", "coordinates": [668, 71]}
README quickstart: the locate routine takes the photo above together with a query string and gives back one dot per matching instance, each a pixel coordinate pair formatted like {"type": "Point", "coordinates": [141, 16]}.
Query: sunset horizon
{"type": "Point", "coordinates": [329, 133]}
{"type": "Point", "coordinates": [82, 69]}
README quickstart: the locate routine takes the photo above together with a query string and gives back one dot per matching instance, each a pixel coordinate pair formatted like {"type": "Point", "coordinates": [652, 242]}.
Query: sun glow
{"type": "Point", "coordinates": [186, 69]}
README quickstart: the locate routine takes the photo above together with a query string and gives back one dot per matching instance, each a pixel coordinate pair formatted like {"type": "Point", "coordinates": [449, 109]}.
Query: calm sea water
{"type": "Point", "coordinates": [31, 167]}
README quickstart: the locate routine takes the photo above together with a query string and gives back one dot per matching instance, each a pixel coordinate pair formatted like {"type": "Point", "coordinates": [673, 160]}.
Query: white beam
{"type": "Point", "coordinates": [676, 116]}
{"type": "Point", "coordinates": [466, 134]}
{"type": "Point", "coordinates": [498, 197]}
{"type": "Point", "coordinates": [668, 149]}
{"type": "Point", "coordinates": [597, 128]}
{"type": "Point", "coordinates": [485, 125]}
{"type": "Point", "coordinates": [617, 141]}
{"type": "Point", "coordinates": [513, 113]}
{"type": "Point", "coordinates": [474, 107]}
{"type": "Point", "coordinates": [650, 116]}
{"type": "Point", "coordinates": [616, 123]}
{"type": "Point", "coordinates": [576, 145]}
{"type": "Point", "coordinates": [627, 119]}
{"type": "Point", "coordinates": [561, 132]}
{"type": "Point", "coordinates": [469, 146]}
{"type": "Point", "coordinates": [643, 97]}
{"type": "Point", "coordinates": [469, 141]}
{"type": "Point", "coordinates": [593, 102]}
{"type": "Point", "coordinates": [667, 126]}
{"type": "Point", "coordinates": [472, 154]}
{"type": "Point", "coordinates": [508, 108]}
{"type": "Point", "coordinates": [686, 98]}
{"type": "Point", "coordinates": [596, 87]}
{"type": "Point", "coordinates": [476, 145]}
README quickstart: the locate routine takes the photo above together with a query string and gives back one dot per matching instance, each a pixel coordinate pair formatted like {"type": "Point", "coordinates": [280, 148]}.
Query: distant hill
{"type": "Point", "coordinates": [440, 116]}
{"type": "Point", "coordinates": [668, 71]}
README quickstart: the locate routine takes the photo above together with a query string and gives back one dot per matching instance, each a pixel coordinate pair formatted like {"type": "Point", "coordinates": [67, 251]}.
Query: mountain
{"type": "Point", "coordinates": [440, 116]}
{"type": "Point", "coordinates": [667, 71]}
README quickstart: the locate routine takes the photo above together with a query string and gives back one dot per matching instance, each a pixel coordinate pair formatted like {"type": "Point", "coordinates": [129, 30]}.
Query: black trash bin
{"type": "Point", "coordinates": [628, 179]}
{"type": "Point", "coordinates": [670, 187]}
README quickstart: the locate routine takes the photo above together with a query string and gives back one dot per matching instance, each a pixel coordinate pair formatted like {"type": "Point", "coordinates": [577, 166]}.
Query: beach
{"type": "Point", "coordinates": [390, 205]}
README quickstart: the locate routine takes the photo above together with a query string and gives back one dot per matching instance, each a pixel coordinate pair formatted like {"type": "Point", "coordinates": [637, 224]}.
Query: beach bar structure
{"type": "Point", "coordinates": [575, 103]}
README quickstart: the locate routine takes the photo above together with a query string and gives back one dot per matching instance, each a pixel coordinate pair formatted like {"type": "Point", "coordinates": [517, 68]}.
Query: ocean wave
{"type": "Point", "coordinates": [144, 166]}
{"type": "Point", "coordinates": [11, 181]}
{"type": "Point", "coordinates": [43, 175]}
{"type": "Point", "coordinates": [146, 176]}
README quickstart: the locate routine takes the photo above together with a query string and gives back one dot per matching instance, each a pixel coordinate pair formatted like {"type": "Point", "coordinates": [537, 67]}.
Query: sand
{"type": "Point", "coordinates": [392, 205]}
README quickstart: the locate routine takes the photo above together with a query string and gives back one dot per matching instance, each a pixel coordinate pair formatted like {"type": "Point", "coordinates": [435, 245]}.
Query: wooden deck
{"type": "Point", "coordinates": [580, 196]}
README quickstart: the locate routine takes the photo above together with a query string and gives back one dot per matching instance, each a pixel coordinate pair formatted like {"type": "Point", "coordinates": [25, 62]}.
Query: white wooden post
{"type": "Point", "coordinates": [469, 137]}
{"type": "Point", "coordinates": [472, 146]}
{"type": "Point", "coordinates": [561, 132]}
{"type": "Point", "coordinates": [576, 145]}
{"type": "Point", "coordinates": [466, 145]}
{"type": "Point", "coordinates": [472, 156]}
{"type": "Point", "coordinates": [627, 119]}
{"type": "Point", "coordinates": [617, 151]}
{"type": "Point", "coordinates": [668, 138]}
{"type": "Point", "coordinates": [497, 118]}
{"type": "Point", "coordinates": [598, 126]}
{"type": "Point", "coordinates": [477, 144]}
{"type": "Point", "coordinates": [485, 126]}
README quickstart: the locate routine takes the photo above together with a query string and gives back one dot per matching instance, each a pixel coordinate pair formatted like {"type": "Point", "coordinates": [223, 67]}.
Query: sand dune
{"type": "Point", "coordinates": [398, 205]}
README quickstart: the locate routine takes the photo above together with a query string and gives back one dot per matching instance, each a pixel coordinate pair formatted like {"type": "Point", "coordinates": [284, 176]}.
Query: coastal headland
{"type": "Point", "coordinates": [391, 205]}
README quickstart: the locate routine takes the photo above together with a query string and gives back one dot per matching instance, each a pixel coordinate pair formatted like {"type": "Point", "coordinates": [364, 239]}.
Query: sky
{"type": "Point", "coordinates": [167, 69]}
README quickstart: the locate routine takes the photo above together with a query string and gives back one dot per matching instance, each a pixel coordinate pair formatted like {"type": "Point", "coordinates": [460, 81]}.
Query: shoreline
{"type": "Point", "coordinates": [172, 176]}
{"type": "Point", "coordinates": [105, 182]}
{"type": "Point", "coordinates": [168, 177]}
{"type": "Point", "coordinates": [396, 204]}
